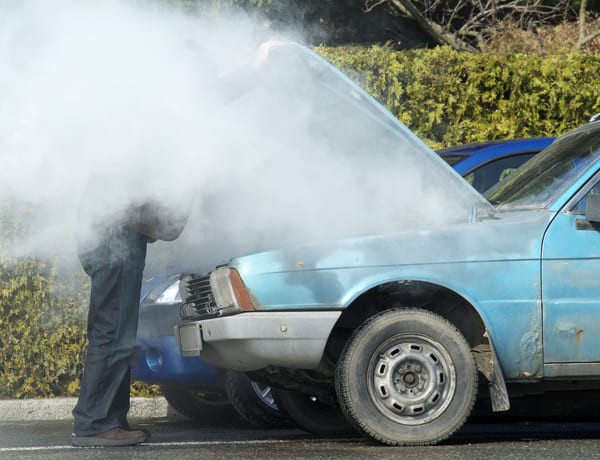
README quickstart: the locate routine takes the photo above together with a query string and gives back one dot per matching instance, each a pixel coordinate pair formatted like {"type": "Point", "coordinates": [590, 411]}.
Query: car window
{"type": "Point", "coordinates": [489, 174]}
{"type": "Point", "coordinates": [548, 173]}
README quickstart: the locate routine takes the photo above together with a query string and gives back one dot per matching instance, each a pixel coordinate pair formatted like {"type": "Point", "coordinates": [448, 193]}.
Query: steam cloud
{"type": "Point", "coordinates": [163, 104]}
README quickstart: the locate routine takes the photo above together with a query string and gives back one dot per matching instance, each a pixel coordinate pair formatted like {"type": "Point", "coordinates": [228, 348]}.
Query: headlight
{"type": "Point", "coordinates": [229, 291]}
{"type": "Point", "coordinates": [170, 294]}
{"type": "Point", "coordinates": [165, 293]}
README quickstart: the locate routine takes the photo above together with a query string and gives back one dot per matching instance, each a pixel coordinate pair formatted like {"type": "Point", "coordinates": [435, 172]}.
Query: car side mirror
{"type": "Point", "coordinates": [592, 208]}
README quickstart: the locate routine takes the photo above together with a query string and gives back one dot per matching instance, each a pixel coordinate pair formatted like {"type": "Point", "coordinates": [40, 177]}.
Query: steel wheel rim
{"type": "Point", "coordinates": [411, 379]}
{"type": "Point", "coordinates": [264, 394]}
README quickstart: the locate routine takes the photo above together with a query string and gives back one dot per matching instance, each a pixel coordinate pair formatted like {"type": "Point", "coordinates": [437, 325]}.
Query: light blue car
{"type": "Point", "coordinates": [202, 391]}
{"type": "Point", "coordinates": [401, 331]}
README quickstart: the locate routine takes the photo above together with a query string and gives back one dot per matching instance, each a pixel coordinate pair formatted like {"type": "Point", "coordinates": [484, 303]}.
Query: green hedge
{"type": "Point", "coordinates": [450, 98]}
{"type": "Point", "coordinates": [42, 331]}
{"type": "Point", "coordinates": [41, 345]}
{"type": "Point", "coordinates": [444, 96]}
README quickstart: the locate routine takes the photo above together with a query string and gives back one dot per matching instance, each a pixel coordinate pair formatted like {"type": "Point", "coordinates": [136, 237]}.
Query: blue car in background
{"type": "Point", "coordinates": [200, 390]}
{"type": "Point", "coordinates": [485, 164]}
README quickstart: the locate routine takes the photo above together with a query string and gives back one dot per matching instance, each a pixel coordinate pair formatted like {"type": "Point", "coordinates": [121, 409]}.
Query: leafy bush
{"type": "Point", "coordinates": [42, 345]}
{"type": "Point", "coordinates": [448, 98]}
{"type": "Point", "coordinates": [42, 340]}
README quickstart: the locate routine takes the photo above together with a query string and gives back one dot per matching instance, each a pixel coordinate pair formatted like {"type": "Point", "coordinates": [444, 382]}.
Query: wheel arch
{"type": "Point", "coordinates": [437, 298]}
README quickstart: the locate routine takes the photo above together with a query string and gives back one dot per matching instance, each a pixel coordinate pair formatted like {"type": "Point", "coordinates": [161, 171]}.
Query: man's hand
{"type": "Point", "coordinates": [262, 53]}
{"type": "Point", "coordinates": [156, 221]}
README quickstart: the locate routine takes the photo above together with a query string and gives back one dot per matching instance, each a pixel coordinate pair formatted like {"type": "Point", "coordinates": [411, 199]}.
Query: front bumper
{"type": "Point", "coordinates": [159, 361]}
{"type": "Point", "coordinates": [254, 340]}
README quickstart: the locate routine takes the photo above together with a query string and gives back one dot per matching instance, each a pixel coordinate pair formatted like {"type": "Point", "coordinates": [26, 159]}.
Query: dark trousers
{"type": "Point", "coordinates": [115, 267]}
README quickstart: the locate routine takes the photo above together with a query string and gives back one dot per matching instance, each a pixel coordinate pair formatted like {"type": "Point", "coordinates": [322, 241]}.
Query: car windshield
{"type": "Point", "coordinates": [542, 178]}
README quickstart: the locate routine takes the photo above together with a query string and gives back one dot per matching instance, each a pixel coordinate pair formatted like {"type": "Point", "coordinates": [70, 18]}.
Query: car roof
{"type": "Point", "coordinates": [480, 153]}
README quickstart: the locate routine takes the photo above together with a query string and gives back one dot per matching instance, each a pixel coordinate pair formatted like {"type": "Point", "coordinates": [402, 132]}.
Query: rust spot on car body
{"type": "Point", "coordinates": [578, 339]}
{"type": "Point", "coordinates": [536, 374]}
{"type": "Point", "coordinates": [571, 334]}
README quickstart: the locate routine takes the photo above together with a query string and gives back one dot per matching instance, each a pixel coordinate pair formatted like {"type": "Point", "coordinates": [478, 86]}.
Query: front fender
{"type": "Point", "coordinates": [506, 296]}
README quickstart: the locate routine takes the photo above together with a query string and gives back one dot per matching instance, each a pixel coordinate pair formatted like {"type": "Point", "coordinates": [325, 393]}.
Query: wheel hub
{"type": "Point", "coordinates": [411, 379]}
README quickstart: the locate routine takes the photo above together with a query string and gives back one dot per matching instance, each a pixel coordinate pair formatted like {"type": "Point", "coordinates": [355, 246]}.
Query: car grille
{"type": "Point", "coordinates": [197, 298]}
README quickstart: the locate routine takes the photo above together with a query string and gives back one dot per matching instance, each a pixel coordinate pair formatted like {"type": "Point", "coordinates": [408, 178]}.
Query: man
{"type": "Point", "coordinates": [112, 251]}
{"type": "Point", "coordinates": [114, 259]}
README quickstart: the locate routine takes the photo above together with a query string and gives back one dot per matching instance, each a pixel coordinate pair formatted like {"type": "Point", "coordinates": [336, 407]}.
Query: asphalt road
{"type": "Point", "coordinates": [181, 439]}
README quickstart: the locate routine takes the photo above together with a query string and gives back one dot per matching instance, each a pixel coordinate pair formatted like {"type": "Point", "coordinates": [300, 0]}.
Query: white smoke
{"type": "Point", "coordinates": [153, 102]}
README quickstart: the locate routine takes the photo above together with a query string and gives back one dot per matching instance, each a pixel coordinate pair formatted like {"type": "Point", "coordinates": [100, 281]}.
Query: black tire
{"type": "Point", "coordinates": [254, 401]}
{"type": "Point", "coordinates": [407, 377]}
{"type": "Point", "coordinates": [199, 403]}
{"type": "Point", "coordinates": [311, 414]}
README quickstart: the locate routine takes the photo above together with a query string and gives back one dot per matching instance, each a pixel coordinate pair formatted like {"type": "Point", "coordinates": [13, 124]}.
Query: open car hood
{"type": "Point", "coordinates": [393, 136]}
{"type": "Point", "coordinates": [309, 113]}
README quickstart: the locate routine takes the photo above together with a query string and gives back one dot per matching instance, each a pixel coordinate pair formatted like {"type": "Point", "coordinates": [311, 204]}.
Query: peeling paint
{"type": "Point", "coordinates": [531, 347]}
{"type": "Point", "coordinates": [567, 329]}
{"type": "Point", "coordinates": [524, 375]}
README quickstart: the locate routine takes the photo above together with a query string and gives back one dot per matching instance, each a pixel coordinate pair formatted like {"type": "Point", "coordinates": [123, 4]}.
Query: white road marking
{"type": "Point", "coordinates": [171, 444]}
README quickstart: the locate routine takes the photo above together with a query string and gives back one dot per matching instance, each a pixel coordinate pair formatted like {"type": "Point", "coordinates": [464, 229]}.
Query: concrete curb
{"type": "Point", "coordinates": [18, 410]}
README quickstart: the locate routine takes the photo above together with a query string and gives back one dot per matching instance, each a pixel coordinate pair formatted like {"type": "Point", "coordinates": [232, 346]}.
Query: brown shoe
{"type": "Point", "coordinates": [111, 438]}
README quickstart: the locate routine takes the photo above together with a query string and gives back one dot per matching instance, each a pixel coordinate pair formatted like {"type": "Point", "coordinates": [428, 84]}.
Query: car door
{"type": "Point", "coordinates": [571, 290]}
